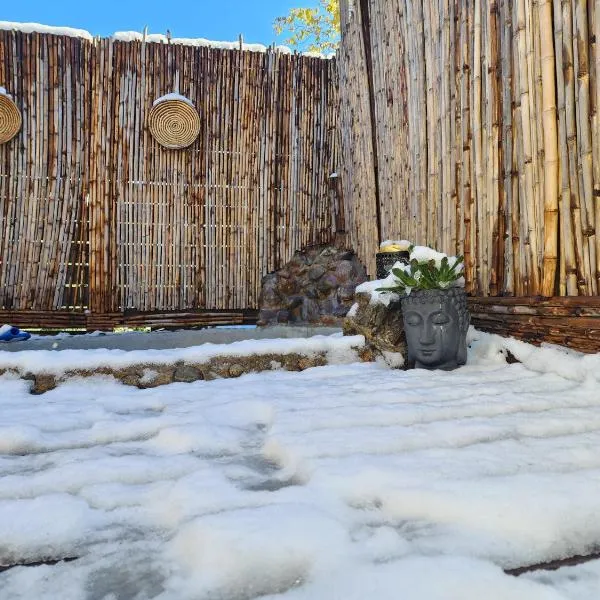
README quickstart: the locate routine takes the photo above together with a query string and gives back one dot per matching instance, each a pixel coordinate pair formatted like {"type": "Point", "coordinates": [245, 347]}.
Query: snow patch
{"type": "Point", "coordinates": [377, 296]}
{"type": "Point", "coordinates": [353, 310]}
{"type": "Point", "coordinates": [173, 96]}
{"type": "Point", "coordinates": [402, 244]}
{"type": "Point", "coordinates": [47, 29]}
{"type": "Point", "coordinates": [49, 526]}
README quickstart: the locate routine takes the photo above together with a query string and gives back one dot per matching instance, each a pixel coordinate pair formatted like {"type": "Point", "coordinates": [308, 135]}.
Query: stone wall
{"type": "Point", "coordinates": [317, 287]}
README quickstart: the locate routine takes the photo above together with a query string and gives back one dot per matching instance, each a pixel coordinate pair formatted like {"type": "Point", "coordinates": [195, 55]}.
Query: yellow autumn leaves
{"type": "Point", "coordinates": [312, 29]}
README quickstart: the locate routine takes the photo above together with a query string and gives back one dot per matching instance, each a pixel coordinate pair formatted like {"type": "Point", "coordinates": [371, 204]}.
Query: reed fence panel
{"type": "Point", "coordinates": [97, 216]}
{"type": "Point", "coordinates": [482, 118]}
{"type": "Point", "coordinates": [43, 173]}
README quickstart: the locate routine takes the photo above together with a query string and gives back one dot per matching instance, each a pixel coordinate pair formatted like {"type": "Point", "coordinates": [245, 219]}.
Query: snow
{"type": "Point", "coordinates": [578, 583]}
{"type": "Point", "coordinates": [402, 244]}
{"type": "Point", "coordinates": [39, 28]}
{"type": "Point", "coordinates": [130, 36]}
{"type": "Point", "coordinates": [3, 92]}
{"type": "Point", "coordinates": [353, 310]}
{"type": "Point", "coordinates": [347, 481]}
{"type": "Point", "coordinates": [424, 254]}
{"type": "Point", "coordinates": [372, 287]}
{"type": "Point", "coordinates": [172, 96]}
{"type": "Point", "coordinates": [338, 348]}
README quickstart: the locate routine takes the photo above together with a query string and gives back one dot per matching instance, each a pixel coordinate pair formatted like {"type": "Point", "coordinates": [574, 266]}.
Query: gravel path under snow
{"type": "Point", "coordinates": [349, 481]}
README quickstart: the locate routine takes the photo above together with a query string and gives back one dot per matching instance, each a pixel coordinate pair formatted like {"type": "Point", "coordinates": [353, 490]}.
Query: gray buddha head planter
{"type": "Point", "coordinates": [436, 324]}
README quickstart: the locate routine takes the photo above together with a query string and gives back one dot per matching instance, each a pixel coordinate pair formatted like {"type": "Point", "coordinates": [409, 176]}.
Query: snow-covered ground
{"type": "Point", "coordinates": [342, 482]}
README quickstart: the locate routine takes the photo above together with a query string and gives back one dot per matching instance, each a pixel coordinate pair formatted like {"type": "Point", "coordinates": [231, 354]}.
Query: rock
{"type": "Point", "coordinates": [382, 327]}
{"type": "Point", "coordinates": [270, 315]}
{"type": "Point", "coordinates": [128, 376]}
{"type": "Point", "coordinates": [324, 256]}
{"type": "Point", "coordinates": [316, 286]}
{"type": "Point", "coordinates": [316, 271]}
{"type": "Point", "coordinates": [344, 270]}
{"type": "Point", "coordinates": [311, 292]}
{"type": "Point", "coordinates": [295, 302]}
{"type": "Point", "coordinates": [270, 297]}
{"type": "Point", "coordinates": [346, 292]}
{"type": "Point", "coordinates": [283, 316]}
{"type": "Point", "coordinates": [340, 310]}
{"type": "Point", "coordinates": [187, 373]}
{"type": "Point", "coordinates": [327, 283]}
{"type": "Point", "coordinates": [287, 286]}
{"type": "Point", "coordinates": [310, 311]}
{"type": "Point", "coordinates": [235, 370]}
{"type": "Point", "coordinates": [42, 383]}
{"type": "Point", "coordinates": [156, 375]}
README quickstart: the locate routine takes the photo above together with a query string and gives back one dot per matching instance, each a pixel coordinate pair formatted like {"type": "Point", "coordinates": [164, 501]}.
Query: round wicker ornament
{"type": "Point", "coordinates": [10, 119]}
{"type": "Point", "coordinates": [174, 123]}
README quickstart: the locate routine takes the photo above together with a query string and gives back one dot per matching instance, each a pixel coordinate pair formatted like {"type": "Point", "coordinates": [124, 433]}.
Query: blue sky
{"type": "Point", "coordinates": [220, 20]}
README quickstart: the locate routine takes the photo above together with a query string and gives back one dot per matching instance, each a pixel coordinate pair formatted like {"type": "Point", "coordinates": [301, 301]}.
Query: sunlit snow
{"type": "Point", "coordinates": [348, 481]}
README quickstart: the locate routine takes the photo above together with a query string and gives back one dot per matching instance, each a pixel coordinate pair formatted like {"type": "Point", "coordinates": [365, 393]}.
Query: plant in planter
{"type": "Point", "coordinates": [434, 308]}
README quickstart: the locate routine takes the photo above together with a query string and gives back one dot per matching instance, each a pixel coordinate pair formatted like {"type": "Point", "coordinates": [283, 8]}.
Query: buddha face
{"type": "Point", "coordinates": [433, 334]}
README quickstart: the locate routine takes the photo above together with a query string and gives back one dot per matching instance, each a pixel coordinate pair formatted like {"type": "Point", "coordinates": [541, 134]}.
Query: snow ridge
{"type": "Point", "coordinates": [159, 38]}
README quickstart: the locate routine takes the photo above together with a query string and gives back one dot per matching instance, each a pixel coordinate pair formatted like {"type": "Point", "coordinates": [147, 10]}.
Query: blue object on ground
{"type": "Point", "coordinates": [13, 334]}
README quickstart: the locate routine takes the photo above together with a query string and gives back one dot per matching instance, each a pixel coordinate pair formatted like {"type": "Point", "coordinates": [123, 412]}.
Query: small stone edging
{"type": "Point", "coordinates": [152, 373]}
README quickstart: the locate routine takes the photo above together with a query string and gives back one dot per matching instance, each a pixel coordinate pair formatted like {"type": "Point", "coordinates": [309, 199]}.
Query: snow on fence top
{"type": "Point", "coordinates": [136, 36]}
{"type": "Point", "coordinates": [38, 28]}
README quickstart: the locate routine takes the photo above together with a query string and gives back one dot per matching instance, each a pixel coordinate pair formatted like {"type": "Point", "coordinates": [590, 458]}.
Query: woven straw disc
{"type": "Point", "coordinates": [174, 123]}
{"type": "Point", "coordinates": [10, 119]}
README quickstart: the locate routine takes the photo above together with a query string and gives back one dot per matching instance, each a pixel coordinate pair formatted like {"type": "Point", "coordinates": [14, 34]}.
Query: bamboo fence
{"type": "Point", "coordinates": [97, 217]}
{"type": "Point", "coordinates": [472, 126]}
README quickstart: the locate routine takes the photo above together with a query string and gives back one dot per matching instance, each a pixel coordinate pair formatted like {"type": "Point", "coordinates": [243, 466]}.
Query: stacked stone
{"type": "Point", "coordinates": [383, 329]}
{"type": "Point", "coordinates": [317, 287]}
{"type": "Point", "coordinates": [153, 375]}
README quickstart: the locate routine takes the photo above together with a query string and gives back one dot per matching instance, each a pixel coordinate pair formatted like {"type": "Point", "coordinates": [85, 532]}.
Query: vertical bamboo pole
{"type": "Point", "coordinates": [477, 146]}
{"type": "Point", "coordinates": [584, 136]}
{"type": "Point", "coordinates": [567, 248]}
{"type": "Point", "coordinates": [596, 137]}
{"type": "Point", "coordinates": [550, 149]}
{"type": "Point", "coordinates": [581, 248]}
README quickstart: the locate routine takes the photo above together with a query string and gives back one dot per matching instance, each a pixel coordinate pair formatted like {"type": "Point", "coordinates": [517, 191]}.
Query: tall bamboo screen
{"type": "Point", "coordinates": [472, 126]}
{"type": "Point", "coordinates": [97, 216]}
